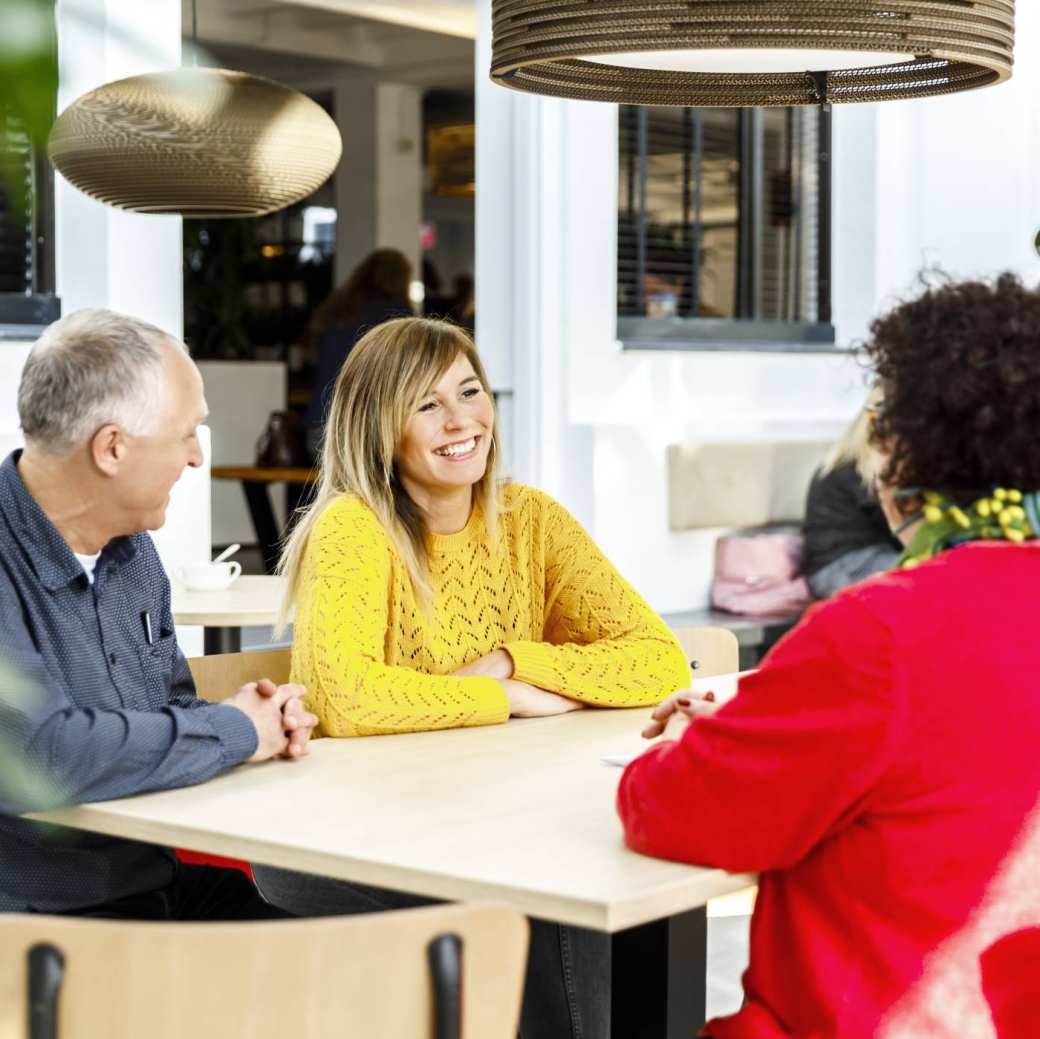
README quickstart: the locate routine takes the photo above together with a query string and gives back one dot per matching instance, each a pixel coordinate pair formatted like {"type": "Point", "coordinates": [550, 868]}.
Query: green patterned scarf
{"type": "Point", "coordinates": [1004, 515]}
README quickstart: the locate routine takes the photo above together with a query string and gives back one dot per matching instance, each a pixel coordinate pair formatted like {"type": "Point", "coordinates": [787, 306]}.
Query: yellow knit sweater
{"type": "Point", "coordinates": [374, 661]}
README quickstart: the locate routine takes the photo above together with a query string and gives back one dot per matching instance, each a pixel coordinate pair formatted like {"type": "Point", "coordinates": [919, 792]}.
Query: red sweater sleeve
{"type": "Point", "coordinates": [790, 759]}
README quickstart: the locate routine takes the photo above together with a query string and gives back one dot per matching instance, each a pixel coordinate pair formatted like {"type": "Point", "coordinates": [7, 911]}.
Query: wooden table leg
{"type": "Point", "coordinates": [267, 533]}
{"type": "Point", "coordinates": [658, 978]}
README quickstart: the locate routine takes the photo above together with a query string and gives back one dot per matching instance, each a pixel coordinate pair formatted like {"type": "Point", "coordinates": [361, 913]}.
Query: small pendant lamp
{"type": "Point", "coordinates": [195, 141]}
{"type": "Point", "coordinates": [750, 52]}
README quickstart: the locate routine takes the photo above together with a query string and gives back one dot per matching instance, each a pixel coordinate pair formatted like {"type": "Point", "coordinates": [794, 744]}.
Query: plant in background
{"type": "Point", "coordinates": [22, 786]}
{"type": "Point", "coordinates": [214, 287]}
{"type": "Point", "coordinates": [28, 67]}
{"type": "Point", "coordinates": [28, 93]}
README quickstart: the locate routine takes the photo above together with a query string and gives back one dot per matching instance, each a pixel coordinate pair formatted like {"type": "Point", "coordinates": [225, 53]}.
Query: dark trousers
{"type": "Point", "coordinates": [196, 893]}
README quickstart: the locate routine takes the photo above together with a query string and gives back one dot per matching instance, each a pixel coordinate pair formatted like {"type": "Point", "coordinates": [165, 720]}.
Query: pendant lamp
{"type": "Point", "coordinates": [750, 52]}
{"type": "Point", "coordinates": [196, 141]}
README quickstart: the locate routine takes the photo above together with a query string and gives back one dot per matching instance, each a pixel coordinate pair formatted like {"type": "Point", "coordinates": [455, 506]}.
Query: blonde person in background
{"type": "Point", "coordinates": [847, 538]}
{"type": "Point", "coordinates": [430, 596]}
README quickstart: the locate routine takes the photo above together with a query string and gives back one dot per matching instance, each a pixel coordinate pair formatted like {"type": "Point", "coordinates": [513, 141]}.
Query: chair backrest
{"type": "Point", "coordinates": [371, 975]}
{"type": "Point", "coordinates": [219, 676]}
{"type": "Point", "coordinates": [709, 651]}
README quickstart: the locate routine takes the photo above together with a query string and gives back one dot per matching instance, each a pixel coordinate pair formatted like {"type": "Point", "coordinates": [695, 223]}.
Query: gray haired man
{"type": "Point", "coordinates": [110, 407]}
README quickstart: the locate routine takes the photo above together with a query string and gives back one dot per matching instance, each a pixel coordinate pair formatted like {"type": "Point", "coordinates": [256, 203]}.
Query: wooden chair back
{"type": "Point", "coordinates": [709, 651]}
{"type": "Point", "coordinates": [413, 974]}
{"type": "Point", "coordinates": [219, 676]}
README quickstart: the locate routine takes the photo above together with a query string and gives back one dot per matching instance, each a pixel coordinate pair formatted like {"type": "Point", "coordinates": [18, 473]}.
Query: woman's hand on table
{"type": "Point", "coordinates": [497, 665]}
{"type": "Point", "coordinates": [528, 701]}
{"type": "Point", "coordinates": [525, 701]}
{"type": "Point", "coordinates": [672, 716]}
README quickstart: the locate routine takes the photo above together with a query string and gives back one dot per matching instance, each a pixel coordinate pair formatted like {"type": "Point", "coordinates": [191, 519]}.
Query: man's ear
{"type": "Point", "coordinates": [108, 449]}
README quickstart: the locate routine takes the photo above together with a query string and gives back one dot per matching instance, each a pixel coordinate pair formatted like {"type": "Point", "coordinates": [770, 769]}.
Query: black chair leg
{"type": "Point", "coordinates": [444, 954]}
{"type": "Point", "coordinates": [46, 972]}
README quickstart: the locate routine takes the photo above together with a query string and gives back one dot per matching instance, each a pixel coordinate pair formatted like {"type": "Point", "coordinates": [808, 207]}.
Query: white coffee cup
{"type": "Point", "coordinates": [210, 577]}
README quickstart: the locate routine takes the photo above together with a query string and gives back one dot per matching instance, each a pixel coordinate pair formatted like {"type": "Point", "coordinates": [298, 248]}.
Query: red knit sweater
{"type": "Point", "coordinates": [882, 772]}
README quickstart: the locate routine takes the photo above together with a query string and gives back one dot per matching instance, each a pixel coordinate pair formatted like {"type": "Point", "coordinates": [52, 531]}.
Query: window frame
{"type": "Point", "coordinates": [750, 333]}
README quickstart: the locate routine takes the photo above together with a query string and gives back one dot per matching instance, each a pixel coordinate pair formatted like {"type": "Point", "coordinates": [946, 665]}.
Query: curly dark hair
{"type": "Point", "coordinates": [960, 374]}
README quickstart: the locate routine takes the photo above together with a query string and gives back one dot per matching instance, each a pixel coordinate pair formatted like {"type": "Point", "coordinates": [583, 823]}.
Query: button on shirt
{"type": "Point", "coordinates": [108, 707]}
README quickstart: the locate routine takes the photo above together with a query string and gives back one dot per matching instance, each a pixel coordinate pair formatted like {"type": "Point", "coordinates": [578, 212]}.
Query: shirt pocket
{"type": "Point", "coordinates": [157, 670]}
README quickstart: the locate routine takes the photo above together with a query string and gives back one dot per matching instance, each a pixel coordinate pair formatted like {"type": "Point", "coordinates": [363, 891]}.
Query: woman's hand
{"type": "Point", "coordinates": [528, 701]}
{"type": "Point", "coordinates": [497, 665]}
{"type": "Point", "coordinates": [673, 715]}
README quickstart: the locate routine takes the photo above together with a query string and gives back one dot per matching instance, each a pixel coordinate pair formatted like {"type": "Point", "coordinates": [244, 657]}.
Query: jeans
{"type": "Point", "coordinates": [195, 893]}
{"type": "Point", "coordinates": [567, 987]}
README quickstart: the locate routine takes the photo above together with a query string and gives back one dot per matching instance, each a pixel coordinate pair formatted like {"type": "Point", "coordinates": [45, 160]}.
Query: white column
{"type": "Point", "coordinates": [399, 171]}
{"type": "Point", "coordinates": [522, 278]}
{"type": "Point", "coordinates": [379, 179]}
{"type": "Point", "coordinates": [354, 101]}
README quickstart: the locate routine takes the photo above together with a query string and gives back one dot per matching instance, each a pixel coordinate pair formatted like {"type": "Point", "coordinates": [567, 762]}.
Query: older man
{"type": "Point", "coordinates": [110, 408]}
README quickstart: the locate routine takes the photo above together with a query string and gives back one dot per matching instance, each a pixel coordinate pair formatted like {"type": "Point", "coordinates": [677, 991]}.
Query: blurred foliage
{"type": "Point", "coordinates": [22, 788]}
{"type": "Point", "coordinates": [28, 96]}
{"type": "Point", "coordinates": [214, 287]}
{"type": "Point", "coordinates": [29, 66]}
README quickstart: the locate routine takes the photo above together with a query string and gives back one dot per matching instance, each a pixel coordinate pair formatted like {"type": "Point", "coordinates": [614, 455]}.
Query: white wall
{"type": "Point", "coordinates": [940, 180]}
{"type": "Point", "coordinates": [241, 395]}
{"type": "Point", "coordinates": [12, 359]}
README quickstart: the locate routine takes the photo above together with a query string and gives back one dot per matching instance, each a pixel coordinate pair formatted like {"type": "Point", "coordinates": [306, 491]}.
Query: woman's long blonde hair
{"type": "Point", "coordinates": [855, 445]}
{"type": "Point", "coordinates": [389, 371]}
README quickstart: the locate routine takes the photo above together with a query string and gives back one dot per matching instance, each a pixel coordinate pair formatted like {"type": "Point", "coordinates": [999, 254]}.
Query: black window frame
{"type": "Point", "coordinates": [747, 332]}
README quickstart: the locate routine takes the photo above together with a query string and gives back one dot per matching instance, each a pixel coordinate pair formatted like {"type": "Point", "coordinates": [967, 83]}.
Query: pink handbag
{"type": "Point", "coordinates": [758, 574]}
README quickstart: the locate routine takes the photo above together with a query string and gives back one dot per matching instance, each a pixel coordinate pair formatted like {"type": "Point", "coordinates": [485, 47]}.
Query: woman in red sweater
{"type": "Point", "coordinates": [882, 770]}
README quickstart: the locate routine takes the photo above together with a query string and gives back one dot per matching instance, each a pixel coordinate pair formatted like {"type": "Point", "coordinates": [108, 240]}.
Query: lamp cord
{"type": "Point", "coordinates": [194, 35]}
{"type": "Point", "coordinates": [818, 84]}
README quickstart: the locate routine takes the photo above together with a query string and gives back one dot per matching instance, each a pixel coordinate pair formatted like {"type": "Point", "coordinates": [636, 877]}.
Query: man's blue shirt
{"type": "Point", "coordinates": [109, 707]}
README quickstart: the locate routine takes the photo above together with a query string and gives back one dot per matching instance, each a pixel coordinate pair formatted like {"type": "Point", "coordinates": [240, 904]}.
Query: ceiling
{"type": "Point", "coordinates": [451, 17]}
{"type": "Point", "coordinates": [310, 42]}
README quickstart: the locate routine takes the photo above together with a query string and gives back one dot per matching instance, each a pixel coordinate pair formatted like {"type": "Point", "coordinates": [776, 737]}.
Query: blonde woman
{"type": "Point", "coordinates": [847, 537]}
{"type": "Point", "coordinates": [429, 597]}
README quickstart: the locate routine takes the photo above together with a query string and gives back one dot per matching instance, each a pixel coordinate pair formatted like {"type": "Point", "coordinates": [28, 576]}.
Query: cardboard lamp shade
{"type": "Point", "coordinates": [737, 53]}
{"type": "Point", "coordinates": [195, 141]}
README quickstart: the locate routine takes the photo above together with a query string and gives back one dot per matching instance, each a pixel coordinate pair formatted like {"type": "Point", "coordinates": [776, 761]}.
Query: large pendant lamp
{"type": "Point", "coordinates": [195, 141]}
{"type": "Point", "coordinates": [750, 52]}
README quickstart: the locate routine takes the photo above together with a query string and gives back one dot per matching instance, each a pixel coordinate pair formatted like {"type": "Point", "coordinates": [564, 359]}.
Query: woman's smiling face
{"type": "Point", "coordinates": [446, 440]}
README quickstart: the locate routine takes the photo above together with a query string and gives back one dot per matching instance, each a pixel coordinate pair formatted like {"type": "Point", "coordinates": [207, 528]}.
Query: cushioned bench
{"type": "Point", "coordinates": [733, 484]}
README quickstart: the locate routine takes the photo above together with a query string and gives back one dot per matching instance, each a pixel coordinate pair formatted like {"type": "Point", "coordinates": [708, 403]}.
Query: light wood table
{"type": "Point", "coordinates": [249, 601]}
{"type": "Point", "coordinates": [522, 813]}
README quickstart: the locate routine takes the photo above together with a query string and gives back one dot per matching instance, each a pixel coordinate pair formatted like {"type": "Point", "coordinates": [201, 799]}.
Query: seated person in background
{"type": "Point", "coordinates": [110, 406]}
{"type": "Point", "coordinates": [881, 770]}
{"type": "Point", "coordinates": [430, 597]}
{"type": "Point", "coordinates": [376, 291]}
{"type": "Point", "coordinates": [847, 537]}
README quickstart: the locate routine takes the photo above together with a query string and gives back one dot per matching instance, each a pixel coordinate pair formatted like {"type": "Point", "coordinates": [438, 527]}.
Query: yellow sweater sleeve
{"type": "Point", "coordinates": [603, 645]}
{"type": "Point", "coordinates": [340, 637]}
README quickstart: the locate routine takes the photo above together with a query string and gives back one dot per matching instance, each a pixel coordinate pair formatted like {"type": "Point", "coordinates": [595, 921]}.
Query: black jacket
{"type": "Point", "coordinates": [841, 515]}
